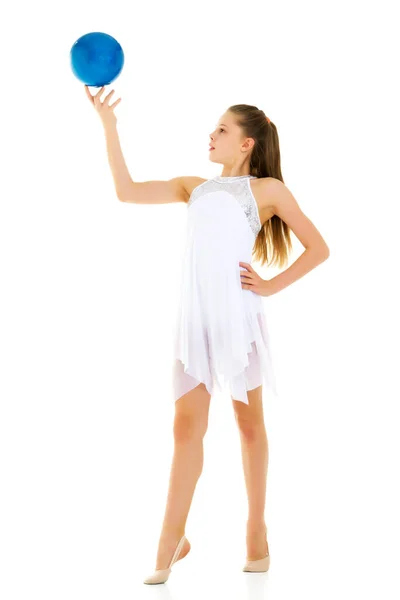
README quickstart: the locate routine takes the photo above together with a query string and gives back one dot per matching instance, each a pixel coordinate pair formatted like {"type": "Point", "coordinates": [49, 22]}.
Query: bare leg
{"type": "Point", "coordinates": [190, 426]}
{"type": "Point", "coordinates": [254, 445]}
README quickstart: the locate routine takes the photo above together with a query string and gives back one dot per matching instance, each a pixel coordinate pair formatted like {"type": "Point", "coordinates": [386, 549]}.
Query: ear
{"type": "Point", "coordinates": [248, 143]}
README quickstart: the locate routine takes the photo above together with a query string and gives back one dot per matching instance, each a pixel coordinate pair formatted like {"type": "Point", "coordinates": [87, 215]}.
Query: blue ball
{"type": "Point", "coordinates": [96, 59]}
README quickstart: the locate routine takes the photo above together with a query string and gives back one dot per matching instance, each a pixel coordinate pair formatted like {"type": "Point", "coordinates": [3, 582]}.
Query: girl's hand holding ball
{"type": "Point", "coordinates": [105, 111]}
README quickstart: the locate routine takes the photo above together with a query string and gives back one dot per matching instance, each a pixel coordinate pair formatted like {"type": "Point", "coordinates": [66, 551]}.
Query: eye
{"type": "Point", "coordinates": [221, 129]}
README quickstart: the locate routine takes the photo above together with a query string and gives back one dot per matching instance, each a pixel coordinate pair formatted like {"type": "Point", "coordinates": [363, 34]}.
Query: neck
{"type": "Point", "coordinates": [233, 173]}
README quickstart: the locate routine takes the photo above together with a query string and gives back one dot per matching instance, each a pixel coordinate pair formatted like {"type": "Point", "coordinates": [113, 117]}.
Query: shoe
{"type": "Point", "coordinates": [258, 566]}
{"type": "Point", "coordinates": [161, 575]}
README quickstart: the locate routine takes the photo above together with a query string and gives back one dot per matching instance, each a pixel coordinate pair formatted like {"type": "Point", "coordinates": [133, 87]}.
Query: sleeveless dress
{"type": "Point", "coordinates": [221, 333]}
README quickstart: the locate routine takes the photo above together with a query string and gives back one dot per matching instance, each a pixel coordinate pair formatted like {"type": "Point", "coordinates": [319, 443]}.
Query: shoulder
{"type": "Point", "coordinates": [269, 183]}
{"type": "Point", "coordinates": [271, 192]}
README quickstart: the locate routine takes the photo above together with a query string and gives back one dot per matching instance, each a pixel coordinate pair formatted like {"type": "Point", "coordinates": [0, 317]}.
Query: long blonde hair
{"type": "Point", "coordinates": [273, 243]}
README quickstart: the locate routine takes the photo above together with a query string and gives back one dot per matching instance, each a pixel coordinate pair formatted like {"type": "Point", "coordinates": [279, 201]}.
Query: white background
{"type": "Point", "coordinates": [89, 288]}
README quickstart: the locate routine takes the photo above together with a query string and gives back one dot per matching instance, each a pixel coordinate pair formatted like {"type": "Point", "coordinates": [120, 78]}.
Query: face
{"type": "Point", "coordinates": [232, 149]}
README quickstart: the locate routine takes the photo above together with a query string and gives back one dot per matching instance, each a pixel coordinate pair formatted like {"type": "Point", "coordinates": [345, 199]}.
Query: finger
{"type": "Point", "coordinates": [97, 98]}
{"type": "Point", "coordinates": [244, 274]}
{"type": "Point", "coordinates": [101, 90]}
{"type": "Point", "coordinates": [89, 95]}
{"type": "Point", "coordinates": [109, 95]}
{"type": "Point", "coordinates": [115, 103]}
{"type": "Point", "coordinates": [245, 265]}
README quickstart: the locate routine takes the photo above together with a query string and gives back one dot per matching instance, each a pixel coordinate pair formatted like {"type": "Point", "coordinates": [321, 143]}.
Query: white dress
{"type": "Point", "coordinates": [221, 336]}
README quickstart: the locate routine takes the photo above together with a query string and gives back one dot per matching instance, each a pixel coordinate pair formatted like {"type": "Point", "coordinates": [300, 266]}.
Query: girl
{"type": "Point", "coordinates": [222, 336]}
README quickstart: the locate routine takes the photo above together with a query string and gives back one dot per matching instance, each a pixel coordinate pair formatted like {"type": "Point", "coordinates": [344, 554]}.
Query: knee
{"type": "Point", "coordinates": [251, 428]}
{"type": "Point", "coordinates": [188, 427]}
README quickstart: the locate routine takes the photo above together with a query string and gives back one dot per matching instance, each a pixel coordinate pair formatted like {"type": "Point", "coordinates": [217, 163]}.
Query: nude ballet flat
{"type": "Point", "coordinates": [161, 575]}
{"type": "Point", "coordinates": [258, 566]}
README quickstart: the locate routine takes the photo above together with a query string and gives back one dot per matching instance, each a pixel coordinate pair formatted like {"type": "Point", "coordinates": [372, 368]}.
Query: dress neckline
{"type": "Point", "coordinates": [234, 177]}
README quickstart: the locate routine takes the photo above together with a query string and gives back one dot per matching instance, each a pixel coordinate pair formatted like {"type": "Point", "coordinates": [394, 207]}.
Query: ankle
{"type": "Point", "coordinates": [255, 526]}
{"type": "Point", "coordinates": [172, 533]}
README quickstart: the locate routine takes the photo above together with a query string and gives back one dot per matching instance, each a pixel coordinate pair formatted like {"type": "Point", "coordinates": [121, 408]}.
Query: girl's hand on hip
{"type": "Point", "coordinates": [252, 281]}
